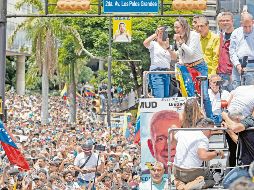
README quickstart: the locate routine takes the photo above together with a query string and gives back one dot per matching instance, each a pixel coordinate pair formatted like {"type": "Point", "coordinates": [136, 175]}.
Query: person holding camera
{"type": "Point", "coordinates": [217, 97]}
{"type": "Point", "coordinates": [241, 51]}
{"type": "Point", "coordinates": [161, 55]}
{"type": "Point", "coordinates": [87, 164]}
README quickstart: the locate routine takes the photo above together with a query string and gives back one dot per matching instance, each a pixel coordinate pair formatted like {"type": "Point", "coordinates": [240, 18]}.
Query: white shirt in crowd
{"type": "Point", "coordinates": [216, 100]}
{"type": "Point", "coordinates": [72, 186]}
{"type": "Point", "coordinates": [188, 143]}
{"type": "Point", "coordinates": [243, 100]}
{"type": "Point", "coordinates": [241, 45]}
{"type": "Point", "coordinates": [150, 185]}
{"type": "Point", "coordinates": [191, 51]}
{"type": "Point", "coordinates": [160, 57]}
{"type": "Point", "coordinates": [92, 162]}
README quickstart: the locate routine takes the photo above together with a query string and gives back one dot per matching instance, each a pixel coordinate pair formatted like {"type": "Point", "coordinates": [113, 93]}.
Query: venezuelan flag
{"type": "Point", "coordinates": [89, 92]}
{"type": "Point", "coordinates": [186, 82]}
{"type": "Point", "coordinates": [194, 73]}
{"type": "Point", "coordinates": [11, 149]}
{"type": "Point", "coordinates": [64, 91]}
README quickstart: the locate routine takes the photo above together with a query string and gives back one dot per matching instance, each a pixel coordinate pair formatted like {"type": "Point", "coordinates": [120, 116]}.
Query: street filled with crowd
{"type": "Point", "coordinates": [87, 155]}
{"type": "Point", "coordinates": [55, 151]}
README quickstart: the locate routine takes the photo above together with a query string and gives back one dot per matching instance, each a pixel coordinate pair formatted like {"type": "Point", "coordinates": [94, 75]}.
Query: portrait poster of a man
{"type": "Point", "coordinates": [121, 29]}
{"type": "Point", "coordinates": [156, 117]}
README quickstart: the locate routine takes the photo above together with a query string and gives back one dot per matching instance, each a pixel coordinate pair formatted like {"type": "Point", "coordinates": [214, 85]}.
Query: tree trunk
{"type": "Point", "coordinates": [135, 76]}
{"type": "Point", "coordinates": [45, 91]}
{"type": "Point", "coordinates": [72, 94]}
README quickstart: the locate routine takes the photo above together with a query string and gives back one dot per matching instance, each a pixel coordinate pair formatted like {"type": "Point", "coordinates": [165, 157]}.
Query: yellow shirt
{"type": "Point", "coordinates": [210, 47]}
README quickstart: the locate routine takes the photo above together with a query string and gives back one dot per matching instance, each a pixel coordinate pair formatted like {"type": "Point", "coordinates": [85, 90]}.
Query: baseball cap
{"type": "Point", "coordinates": [88, 144]}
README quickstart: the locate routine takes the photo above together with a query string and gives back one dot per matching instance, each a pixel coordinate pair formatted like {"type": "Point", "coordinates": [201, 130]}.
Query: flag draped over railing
{"type": "Point", "coordinates": [189, 86]}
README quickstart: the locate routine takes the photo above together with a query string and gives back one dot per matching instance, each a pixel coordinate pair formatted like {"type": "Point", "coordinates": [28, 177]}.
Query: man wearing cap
{"type": "Point", "coordinates": [156, 182]}
{"type": "Point", "coordinates": [53, 166]}
{"type": "Point", "coordinates": [87, 163]}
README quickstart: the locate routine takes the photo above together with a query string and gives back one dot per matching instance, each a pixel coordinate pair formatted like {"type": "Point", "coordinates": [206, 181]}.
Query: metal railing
{"type": "Point", "coordinates": [171, 130]}
{"type": "Point", "coordinates": [145, 80]}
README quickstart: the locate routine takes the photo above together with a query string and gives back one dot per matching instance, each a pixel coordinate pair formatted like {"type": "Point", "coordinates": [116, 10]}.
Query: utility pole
{"type": "Point", "coordinates": [3, 21]}
{"type": "Point", "coordinates": [109, 76]}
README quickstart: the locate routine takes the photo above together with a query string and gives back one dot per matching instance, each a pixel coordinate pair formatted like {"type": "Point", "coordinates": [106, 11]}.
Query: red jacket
{"type": "Point", "coordinates": [225, 66]}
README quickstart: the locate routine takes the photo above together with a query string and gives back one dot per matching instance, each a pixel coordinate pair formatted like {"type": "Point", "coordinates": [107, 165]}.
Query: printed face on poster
{"type": "Point", "coordinates": [121, 29]}
{"type": "Point", "coordinates": [156, 117]}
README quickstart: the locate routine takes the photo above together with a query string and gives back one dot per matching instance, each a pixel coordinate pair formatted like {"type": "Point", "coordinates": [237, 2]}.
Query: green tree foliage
{"type": "Point", "coordinates": [94, 33]}
{"type": "Point", "coordinates": [94, 36]}
{"type": "Point", "coordinates": [10, 76]}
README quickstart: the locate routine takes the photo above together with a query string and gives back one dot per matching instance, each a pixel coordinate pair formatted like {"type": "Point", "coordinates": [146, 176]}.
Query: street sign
{"type": "Point", "coordinates": [131, 6]}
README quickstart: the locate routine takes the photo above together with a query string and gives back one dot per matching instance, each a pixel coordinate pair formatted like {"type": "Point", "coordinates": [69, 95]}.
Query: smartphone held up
{"type": "Point", "coordinates": [165, 33]}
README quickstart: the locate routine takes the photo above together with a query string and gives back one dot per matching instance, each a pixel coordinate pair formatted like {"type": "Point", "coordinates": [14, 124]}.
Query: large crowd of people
{"type": "Point", "coordinates": [86, 156]}
{"type": "Point", "coordinates": [66, 156]}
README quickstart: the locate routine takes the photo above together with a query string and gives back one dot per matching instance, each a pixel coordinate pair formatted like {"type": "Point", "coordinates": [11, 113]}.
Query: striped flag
{"type": "Point", "coordinates": [11, 149]}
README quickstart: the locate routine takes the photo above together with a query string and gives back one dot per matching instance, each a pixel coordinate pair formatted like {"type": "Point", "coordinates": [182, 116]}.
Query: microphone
{"type": "Point", "coordinates": [175, 46]}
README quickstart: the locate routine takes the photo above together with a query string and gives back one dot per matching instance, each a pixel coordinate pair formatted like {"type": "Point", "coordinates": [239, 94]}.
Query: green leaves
{"type": "Point", "coordinates": [78, 39]}
{"type": "Point", "coordinates": [35, 3]}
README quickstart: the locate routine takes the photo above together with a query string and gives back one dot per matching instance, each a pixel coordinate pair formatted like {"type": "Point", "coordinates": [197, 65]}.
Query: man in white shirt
{"type": "Point", "coordinates": [241, 101]}
{"type": "Point", "coordinates": [122, 34]}
{"type": "Point", "coordinates": [241, 50]}
{"type": "Point", "coordinates": [156, 182]}
{"type": "Point", "coordinates": [217, 96]}
{"type": "Point", "coordinates": [191, 150]}
{"type": "Point", "coordinates": [87, 163]}
{"type": "Point", "coordinates": [70, 183]}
